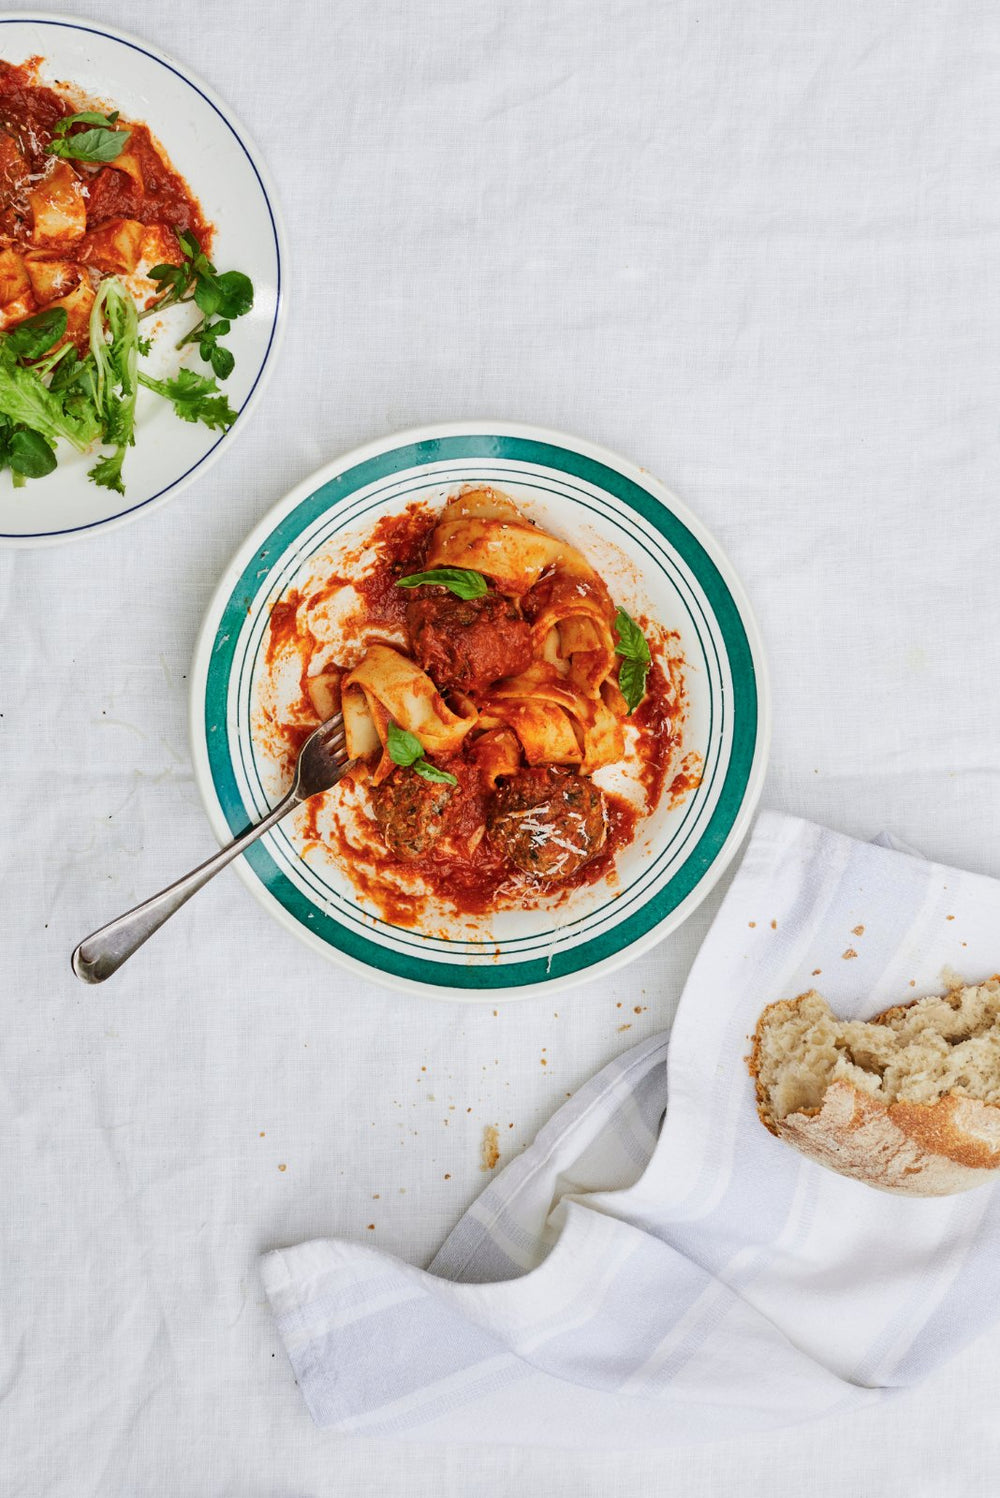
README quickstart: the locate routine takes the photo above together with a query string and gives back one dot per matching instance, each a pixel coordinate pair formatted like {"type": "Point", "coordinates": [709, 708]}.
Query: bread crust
{"type": "Point", "coordinates": [913, 1149]}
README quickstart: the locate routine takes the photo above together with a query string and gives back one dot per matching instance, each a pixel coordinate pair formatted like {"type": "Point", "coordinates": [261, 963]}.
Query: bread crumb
{"type": "Point", "coordinates": [623, 1027]}
{"type": "Point", "coordinates": [447, 1177]}
{"type": "Point", "coordinates": [913, 982]}
{"type": "Point", "coordinates": [544, 1062]}
{"type": "Point", "coordinates": [491, 1147]}
{"type": "Point", "coordinates": [817, 971]}
{"type": "Point", "coordinates": [375, 1198]}
{"type": "Point", "coordinates": [262, 1133]}
{"type": "Point", "coordinates": [282, 1167]}
{"type": "Point", "coordinates": [858, 931]}
{"type": "Point", "coordinates": [495, 1013]}
{"type": "Point", "coordinates": [849, 953]}
{"type": "Point", "coordinates": [774, 925]}
{"type": "Point", "coordinates": [949, 917]}
{"type": "Point", "coordinates": [751, 924]}
{"type": "Point", "coordinates": [371, 1227]}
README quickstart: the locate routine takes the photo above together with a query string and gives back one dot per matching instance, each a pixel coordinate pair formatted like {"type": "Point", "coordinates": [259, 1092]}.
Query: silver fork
{"type": "Point", "coordinates": [321, 763]}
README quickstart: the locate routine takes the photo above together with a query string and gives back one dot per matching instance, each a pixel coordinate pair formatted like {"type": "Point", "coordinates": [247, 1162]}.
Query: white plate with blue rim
{"type": "Point", "coordinates": [212, 152]}
{"type": "Point", "coordinates": [665, 565]}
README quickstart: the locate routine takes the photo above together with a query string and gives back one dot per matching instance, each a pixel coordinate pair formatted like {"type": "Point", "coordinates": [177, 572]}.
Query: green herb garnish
{"type": "Point", "coordinates": [406, 750]}
{"type": "Point", "coordinates": [223, 296]}
{"type": "Point", "coordinates": [635, 660]}
{"type": "Point", "coordinates": [26, 401]}
{"type": "Point", "coordinates": [101, 143]}
{"type": "Point", "coordinates": [114, 349]}
{"type": "Point", "coordinates": [460, 580]}
{"type": "Point", "coordinates": [33, 337]}
{"type": "Point", "coordinates": [49, 390]}
{"type": "Point", "coordinates": [195, 397]}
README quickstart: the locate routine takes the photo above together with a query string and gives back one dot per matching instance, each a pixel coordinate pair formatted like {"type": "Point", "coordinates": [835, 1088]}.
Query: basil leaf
{"type": "Point", "coordinates": [632, 682]}
{"type": "Point", "coordinates": [85, 117]}
{"type": "Point", "coordinates": [235, 293]}
{"type": "Point", "coordinates": [404, 747]}
{"type": "Point", "coordinates": [90, 145]}
{"type": "Point", "coordinates": [31, 338]}
{"type": "Point", "coordinates": [632, 644]}
{"type": "Point", "coordinates": [460, 580]}
{"type": "Point", "coordinates": [30, 454]}
{"type": "Point", "coordinates": [431, 772]}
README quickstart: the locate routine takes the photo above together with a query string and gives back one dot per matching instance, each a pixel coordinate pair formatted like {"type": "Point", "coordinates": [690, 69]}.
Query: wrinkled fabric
{"type": "Point", "coordinates": [614, 1287]}
{"type": "Point", "coordinates": [753, 247]}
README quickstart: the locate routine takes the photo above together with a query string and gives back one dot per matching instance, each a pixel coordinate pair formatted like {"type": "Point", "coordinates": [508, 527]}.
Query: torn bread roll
{"type": "Point", "coordinates": [907, 1102]}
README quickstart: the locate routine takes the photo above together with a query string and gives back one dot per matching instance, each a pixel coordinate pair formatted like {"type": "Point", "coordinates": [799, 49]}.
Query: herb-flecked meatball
{"type": "Point", "coordinates": [410, 812]}
{"type": "Point", "coordinates": [548, 822]}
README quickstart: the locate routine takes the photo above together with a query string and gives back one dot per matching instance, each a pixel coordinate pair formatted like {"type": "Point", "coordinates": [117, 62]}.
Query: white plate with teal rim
{"type": "Point", "coordinates": [212, 152]}
{"type": "Point", "coordinates": [657, 558]}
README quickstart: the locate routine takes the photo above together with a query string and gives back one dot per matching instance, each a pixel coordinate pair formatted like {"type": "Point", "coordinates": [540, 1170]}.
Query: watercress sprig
{"type": "Point", "coordinates": [220, 295]}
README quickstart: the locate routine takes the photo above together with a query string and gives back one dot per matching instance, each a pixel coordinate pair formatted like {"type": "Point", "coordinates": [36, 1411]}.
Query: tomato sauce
{"type": "Point", "coordinates": [463, 870]}
{"type": "Point", "coordinates": [29, 113]}
{"type": "Point", "coordinates": [163, 199]}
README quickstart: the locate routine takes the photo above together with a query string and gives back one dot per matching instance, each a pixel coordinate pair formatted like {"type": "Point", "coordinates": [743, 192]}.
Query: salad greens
{"type": "Point", "coordinates": [224, 297]}
{"type": "Point", "coordinates": [50, 391]}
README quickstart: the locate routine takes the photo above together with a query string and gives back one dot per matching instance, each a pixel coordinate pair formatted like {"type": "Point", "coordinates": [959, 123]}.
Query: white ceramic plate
{"type": "Point", "coordinates": [211, 151]}
{"type": "Point", "coordinates": [656, 557]}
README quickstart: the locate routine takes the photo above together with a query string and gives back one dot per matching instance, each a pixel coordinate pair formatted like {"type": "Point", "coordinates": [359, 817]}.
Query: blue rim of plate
{"type": "Point", "coordinates": [111, 33]}
{"type": "Point", "coordinates": [743, 770]}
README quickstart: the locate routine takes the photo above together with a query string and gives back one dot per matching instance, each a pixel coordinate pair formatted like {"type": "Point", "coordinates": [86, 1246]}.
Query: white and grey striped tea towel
{"type": "Point", "coordinates": [623, 1284]}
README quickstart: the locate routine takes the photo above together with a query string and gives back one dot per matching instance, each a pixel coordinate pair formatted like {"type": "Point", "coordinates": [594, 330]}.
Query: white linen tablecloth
{"type": "Point", "coordinates": [751, 245]}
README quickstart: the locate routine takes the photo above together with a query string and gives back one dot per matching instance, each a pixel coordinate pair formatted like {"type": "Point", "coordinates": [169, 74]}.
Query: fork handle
{"type": "Point", "coordinates": [103, 952]}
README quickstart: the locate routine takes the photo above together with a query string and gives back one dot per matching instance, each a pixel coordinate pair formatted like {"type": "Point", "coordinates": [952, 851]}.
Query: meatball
{"type": "Point", "coordinates": [548, 822]}
{"type": "Point", "coordinates": [410, 812]}
{"type": "Point", "coordinates": [468, 643]}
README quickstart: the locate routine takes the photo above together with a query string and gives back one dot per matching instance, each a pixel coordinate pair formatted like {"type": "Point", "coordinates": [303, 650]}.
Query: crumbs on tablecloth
{"type": "Point", "coordinates": [857, 930]}
{"type": "Point", "coordinates": [491, 1147]}
{"type": "Point", "coordinates": [848, 954]}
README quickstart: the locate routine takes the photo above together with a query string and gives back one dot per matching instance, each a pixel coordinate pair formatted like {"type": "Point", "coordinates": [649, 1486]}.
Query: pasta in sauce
{"type": "Point", "coordinates": [512, 700]}
{"type": "Point", "coordinates": [64, 224]}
